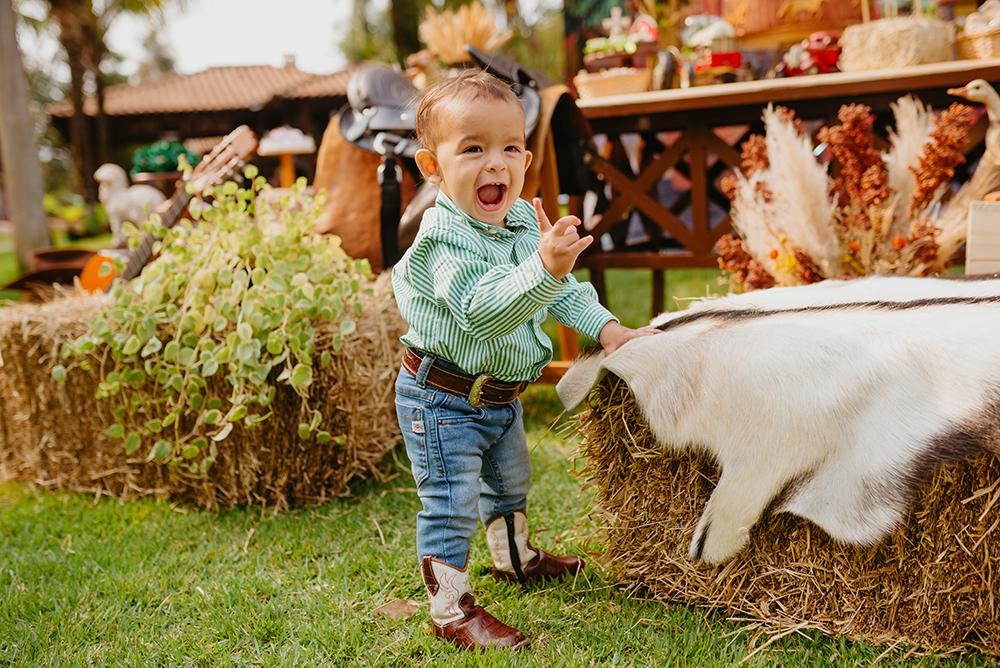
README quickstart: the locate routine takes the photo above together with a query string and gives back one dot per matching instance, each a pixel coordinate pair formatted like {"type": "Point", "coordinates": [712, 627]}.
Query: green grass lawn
{"type": "Point", "coordinates": [103, 582]}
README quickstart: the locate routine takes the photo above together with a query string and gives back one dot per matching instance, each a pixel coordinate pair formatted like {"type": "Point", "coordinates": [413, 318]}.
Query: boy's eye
{"type": "Point", "coordinates": [472, 149]}
{"type": "Point", "coordinates": [512, 147]}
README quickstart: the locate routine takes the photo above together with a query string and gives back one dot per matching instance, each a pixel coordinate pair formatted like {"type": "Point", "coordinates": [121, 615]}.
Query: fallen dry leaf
{"type": "Point", "coordinates": [397, 609]}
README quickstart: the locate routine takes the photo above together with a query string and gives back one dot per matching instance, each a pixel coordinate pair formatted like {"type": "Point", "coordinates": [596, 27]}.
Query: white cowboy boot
{"type": "Point", "coordinates": [515, 559]}
{"type": "Point", "coordinates": [455, 614]}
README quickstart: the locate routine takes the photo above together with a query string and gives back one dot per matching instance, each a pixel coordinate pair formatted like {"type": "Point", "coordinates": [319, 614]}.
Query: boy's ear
{"type": "Point", "coordinates": [428, 165]}
{"type": "Point", "coordinates": [527, 160]}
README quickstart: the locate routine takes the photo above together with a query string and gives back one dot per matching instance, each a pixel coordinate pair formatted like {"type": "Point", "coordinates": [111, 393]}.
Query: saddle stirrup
{"type": "Point", "coordinates": [390, 177]}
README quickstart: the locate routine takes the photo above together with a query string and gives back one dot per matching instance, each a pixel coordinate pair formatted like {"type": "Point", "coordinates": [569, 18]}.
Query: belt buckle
{"type": "Point", "coordinates": [475, 394]}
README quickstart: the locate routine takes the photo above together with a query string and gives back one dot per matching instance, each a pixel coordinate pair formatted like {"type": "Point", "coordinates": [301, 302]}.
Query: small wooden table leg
{"type": "Point", "coordinates": [657, 305]}
{"type": "Point", "coordinates": [597, 280]}
{"type": "Point", "coordinates": [286, 170]}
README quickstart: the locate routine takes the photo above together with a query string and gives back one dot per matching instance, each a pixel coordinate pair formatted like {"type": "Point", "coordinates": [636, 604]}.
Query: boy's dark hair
{"type": "Point", "coordinates": [470, 84]}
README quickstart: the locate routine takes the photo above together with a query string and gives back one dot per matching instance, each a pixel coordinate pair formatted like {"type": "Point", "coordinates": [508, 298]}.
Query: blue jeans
{"type": "Point", "coordinates": [463, 458]}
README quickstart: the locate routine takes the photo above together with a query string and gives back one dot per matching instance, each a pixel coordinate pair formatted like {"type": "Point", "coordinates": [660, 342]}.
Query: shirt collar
{"type": "Point", "coordinates": [513, 221]}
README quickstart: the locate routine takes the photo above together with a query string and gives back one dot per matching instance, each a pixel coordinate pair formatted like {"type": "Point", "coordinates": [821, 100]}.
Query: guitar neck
{"type": "Point", "coordinates": [175, 208]}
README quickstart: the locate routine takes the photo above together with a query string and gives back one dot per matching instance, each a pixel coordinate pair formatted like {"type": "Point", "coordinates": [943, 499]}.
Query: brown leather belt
{"type": "Point", "coordinates": [481, 390]}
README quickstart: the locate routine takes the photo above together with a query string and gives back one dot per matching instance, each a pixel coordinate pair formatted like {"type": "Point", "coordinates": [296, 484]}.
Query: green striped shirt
{"type": "Point", "coordinates": [476, 294]}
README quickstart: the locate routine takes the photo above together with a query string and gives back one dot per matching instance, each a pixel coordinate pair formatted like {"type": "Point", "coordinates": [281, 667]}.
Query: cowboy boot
{"type": "Point", "coordinates": [514, 558]}
{"type": "Point", "coordinates": [456, 616]}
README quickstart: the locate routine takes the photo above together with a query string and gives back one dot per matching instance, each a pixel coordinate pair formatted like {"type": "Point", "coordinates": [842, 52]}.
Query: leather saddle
{"type": "Point", "coordinates": [382, 110]}
{"type": "Point", "coordinates": [380, 118]}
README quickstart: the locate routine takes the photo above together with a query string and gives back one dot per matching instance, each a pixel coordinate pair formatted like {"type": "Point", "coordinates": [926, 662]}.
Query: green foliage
{"type": "Point", "coordinates": [162, 156]}
{"type": "Point", "coordinates": [588, 14]}
{"type": "Point", "coordinates": [369, 35]}
{"type": "Point", "coordinates": [541, 46]}
{"type": "Point", "coordinates": [88, 219]}
{"type": "Point", "coordinates": [537, 45]}
{"type": "Point", "coordinates": [66, 205]}
{"type": "Point", "coordinates": [202, 339]}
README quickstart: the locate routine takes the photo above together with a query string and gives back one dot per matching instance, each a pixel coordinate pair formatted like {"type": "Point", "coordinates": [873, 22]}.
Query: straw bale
{"type": "Point", "coordinates": [934, 583]}
{"type": "Point", "coordinates": [899, 41]}
{"type": "Point", "coordinates": [53, 434]}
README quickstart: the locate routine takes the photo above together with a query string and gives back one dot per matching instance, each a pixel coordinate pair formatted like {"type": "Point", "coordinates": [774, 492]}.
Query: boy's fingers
{"type": "Point", "coordinates": [543, 221]}
{"type": "Point", "coordinates": [580, 244]}
{"type": "Point", "coordinates": [566, 223]}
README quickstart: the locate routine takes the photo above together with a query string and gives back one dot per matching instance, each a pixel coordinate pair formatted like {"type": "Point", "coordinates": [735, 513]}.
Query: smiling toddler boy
{"type": "Point", "coordinates": [482, 274]}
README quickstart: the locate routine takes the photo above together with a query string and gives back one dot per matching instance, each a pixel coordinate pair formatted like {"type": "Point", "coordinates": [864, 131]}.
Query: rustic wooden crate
{"type": "Point", "coordinates": [982, 246]}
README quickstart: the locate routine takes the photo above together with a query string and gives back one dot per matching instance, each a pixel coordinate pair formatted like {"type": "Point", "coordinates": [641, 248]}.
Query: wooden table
{"type": "Point", "coordinates": [696, 132]}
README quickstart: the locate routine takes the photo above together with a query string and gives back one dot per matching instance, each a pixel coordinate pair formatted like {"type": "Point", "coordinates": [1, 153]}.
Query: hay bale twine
{"type": "Point", "coordinates": [935, 582]}
{"type": "Point", "coordinates": [53, 434]}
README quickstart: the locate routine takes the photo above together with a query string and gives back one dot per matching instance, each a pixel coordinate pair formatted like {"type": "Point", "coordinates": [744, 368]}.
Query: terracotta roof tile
{"type": "Point", "coordinates": [214, 89]}
{"type": "Point", "coordinates": [319, 85]}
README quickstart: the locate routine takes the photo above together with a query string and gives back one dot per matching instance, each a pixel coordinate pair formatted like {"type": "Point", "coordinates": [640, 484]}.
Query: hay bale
{"type": "Point", "coordinates": [933, 583]}
{"type": "Point", "coordinates": [53, 434]}
{"type": "Point", "coordinates": [899, 41]}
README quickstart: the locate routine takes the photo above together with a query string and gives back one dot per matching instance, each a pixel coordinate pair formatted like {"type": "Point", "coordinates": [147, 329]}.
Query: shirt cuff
{"type": "Point", "coordinates": [592, 320]}
{"type": "Point", "coordinates": [536, 282]}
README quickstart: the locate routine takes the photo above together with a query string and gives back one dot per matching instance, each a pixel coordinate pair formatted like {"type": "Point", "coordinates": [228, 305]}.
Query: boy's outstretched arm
{"type": "Point", "coordinates": [489, 301]}
{"type": "Point", "coordinates": [577, 305]}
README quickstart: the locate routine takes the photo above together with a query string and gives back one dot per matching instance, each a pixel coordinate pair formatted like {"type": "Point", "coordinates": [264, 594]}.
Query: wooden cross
{"type": "Point", "coordinates": [617, 25]}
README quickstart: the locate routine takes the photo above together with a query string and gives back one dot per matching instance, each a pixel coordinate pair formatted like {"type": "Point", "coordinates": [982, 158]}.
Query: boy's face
{"type": "Point", "coordinates": [480, 158]}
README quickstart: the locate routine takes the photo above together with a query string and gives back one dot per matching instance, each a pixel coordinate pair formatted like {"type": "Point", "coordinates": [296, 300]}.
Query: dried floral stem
{"type": "Point", "coordinates": [941, 155]}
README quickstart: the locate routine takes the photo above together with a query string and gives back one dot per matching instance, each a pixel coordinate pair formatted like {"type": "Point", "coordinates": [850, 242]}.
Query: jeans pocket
{"type": "Point", "coordinates": [413, 425]}
{"type": "Point", "coordinates": [456, 410]}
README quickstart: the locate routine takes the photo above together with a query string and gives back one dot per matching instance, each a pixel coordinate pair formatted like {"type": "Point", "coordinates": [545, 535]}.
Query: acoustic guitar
{"type": "Point", "coordinates": [221, 163]}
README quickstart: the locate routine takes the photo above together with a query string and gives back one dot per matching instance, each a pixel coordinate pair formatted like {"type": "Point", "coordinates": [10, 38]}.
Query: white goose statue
{"type": "Point", "coordinates": [986, 178]}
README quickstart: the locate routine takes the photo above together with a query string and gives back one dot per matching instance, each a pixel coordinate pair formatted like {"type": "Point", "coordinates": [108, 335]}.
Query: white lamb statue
{"type": "Point", "coordinates": [122, 201]}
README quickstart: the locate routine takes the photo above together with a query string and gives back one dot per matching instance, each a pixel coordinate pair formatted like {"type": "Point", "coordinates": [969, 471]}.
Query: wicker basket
{"type": "Point", "coordinates": [615, 81]}
{"type": "Point", "coordinates": [980, 45]}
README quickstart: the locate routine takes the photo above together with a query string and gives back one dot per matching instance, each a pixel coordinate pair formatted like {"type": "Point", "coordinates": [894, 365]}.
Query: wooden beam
{"type": "Point", "coordinates": [666, 220]}
{"type": "Point", "coordinates": [726, 153]}
{"type": "Point", "coordinates": [640, 260]}
{"type": "Point", "coordinates": [699, 193]}
{"type": "Point", "coordinates": [656, 306]}
{"type": "Point", "coordinates": [622, 204]}
{"type": "Point", "coordinates": [843, 85]}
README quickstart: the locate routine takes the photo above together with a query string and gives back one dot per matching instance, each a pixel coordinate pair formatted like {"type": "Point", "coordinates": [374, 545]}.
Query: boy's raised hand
{"type": "Point", "coordinates": [560, 244]}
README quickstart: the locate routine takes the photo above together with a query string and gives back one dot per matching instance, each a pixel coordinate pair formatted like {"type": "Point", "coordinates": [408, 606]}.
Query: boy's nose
{"type": "Point", "coordinates": [495, 162]}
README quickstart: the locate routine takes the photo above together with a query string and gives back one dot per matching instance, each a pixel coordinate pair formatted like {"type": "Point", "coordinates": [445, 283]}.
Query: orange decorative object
{"type": "Point", "coordinates": [286, 170]}
{"type": "Point", "coordinates": [95, 279]}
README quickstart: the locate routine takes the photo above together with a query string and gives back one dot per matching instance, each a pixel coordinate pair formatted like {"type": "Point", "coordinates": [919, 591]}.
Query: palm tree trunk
{"type": "Point", "coordinates": [96, 51]}
{"type": "Point", "coordinates": [72, 17]}
{"type": "Point", "coordinates": [103, 142]}
{"type": "Point", "coordinates": [79, 124]}
{"type": "Point", "coordinates": [22, 170]}
{"type": "Point", "coordinates": [405, 15]}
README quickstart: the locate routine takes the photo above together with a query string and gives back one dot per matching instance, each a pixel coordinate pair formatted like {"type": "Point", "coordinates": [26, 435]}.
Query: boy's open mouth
{"type": "Point", "coordinates": [491, 196]}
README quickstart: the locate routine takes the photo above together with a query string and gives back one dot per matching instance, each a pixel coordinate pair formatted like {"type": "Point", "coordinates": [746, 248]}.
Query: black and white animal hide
{"type": "Point", "coordinates": [842, 397]}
